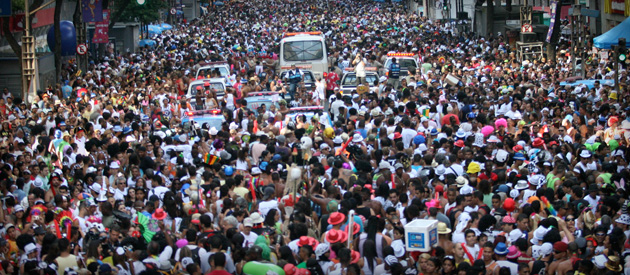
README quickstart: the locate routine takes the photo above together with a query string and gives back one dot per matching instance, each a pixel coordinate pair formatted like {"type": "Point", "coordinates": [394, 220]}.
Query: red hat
{"type": "Point", "coordinates": [336, 236]}
{"type": "Point", "coordinates": [553, 143]}
{"type": "Point", "coordinates": [198, 88]}
{"type": "Point", "coordinates": [612, 120]}
{"type": "Point", "coordinates": [356, 256]}
{"type": "Point", "coordinates": [517, 148]}
{"type": "Point", "coordinates": [159, 214]}
{"type": "Point", "coordinates": [397, 135]}
{"type": "Point", "coordinates": [305, 240]}
{"type": "Point", "coordinates": [439, 188]}
{"type": "Point", "coordinates": [336, 218]}
{"type": "Point", "coordinates": [459, 143]}
{"type": "Point", "coordinates": [509, 205]}
{"type": "Point", "coordinates": [355, 228]}
{"type": "Point", "coordinates": [538, 142]}
{"type": "Point", "coordinates": [289, 269]}
{"type": "Point", "coordinates": [560, 246]}
{"type": "Point", "coordinates": [206, 84]}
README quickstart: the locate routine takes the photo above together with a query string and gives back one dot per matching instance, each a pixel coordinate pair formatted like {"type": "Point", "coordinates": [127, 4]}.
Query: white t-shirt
{"type": "Point", "coordinates": [249, 239]}
{"type": "Point", "coordinates": [265, 206]}
{"type": "Point", "coordinates": [407, 136]}
{"type": "Point", "coordinates": [513, 267]}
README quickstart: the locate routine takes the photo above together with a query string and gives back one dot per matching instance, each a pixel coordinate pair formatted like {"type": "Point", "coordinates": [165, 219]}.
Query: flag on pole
{"type": "Point", "coordinates": [92, 10]}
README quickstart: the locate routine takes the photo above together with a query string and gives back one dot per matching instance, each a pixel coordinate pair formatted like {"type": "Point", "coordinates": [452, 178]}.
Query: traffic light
{"type": "Point", "coordinates": [445, 6]}
{"type": "Point", "coordinates": [622, 52]}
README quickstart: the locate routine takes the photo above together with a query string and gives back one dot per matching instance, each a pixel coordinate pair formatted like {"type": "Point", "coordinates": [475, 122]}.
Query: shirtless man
{"type": "Point", "coordinates": [564, 263]}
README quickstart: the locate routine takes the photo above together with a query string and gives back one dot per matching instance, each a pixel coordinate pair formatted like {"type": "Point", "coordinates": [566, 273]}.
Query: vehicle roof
{"type": "Point", "coordinates": [213, 64]}
{"type": "Point", "coordinates": [302, 37]}
{"type": "Point", "coordinates": [261, 93]}
{"type": "Point", "coordinates": [211, 80]}
{"type": "Point", "coordinates": [306, 109]}
{"type": "Point", "coordinates": [303, 70]}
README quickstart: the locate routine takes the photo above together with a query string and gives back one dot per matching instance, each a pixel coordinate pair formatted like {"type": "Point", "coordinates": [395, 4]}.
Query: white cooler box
{"type": "Point", "coordinates": [421, 235]}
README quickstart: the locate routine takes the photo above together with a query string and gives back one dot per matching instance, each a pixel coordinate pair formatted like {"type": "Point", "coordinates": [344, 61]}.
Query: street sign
{"type": "Point", "coordinates": [527, 28]}
{"type": "Point", "coordinates": [173, 11]}
{"type": "Point", "coordinates": [81, 49]}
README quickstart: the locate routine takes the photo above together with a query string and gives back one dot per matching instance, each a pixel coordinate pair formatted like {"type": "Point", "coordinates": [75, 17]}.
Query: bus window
{"type": "Point", "coordinates": [303, 50]}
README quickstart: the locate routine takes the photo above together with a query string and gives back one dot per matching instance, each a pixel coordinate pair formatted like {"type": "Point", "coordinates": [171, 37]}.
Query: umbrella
{"type": "Point", "coordinates": [146, 42]}
{"type": "Point", "coordinates": [154, 29]}
{"type": "Point", "coordinates": [219, 3]}
{"type": "Point", "coordinates": [446, 120]}
{"type": "Point", "coordinates": [165, 26]}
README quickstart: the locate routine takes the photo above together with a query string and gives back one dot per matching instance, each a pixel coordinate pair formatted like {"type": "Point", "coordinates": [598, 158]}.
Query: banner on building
{"type": "Point", "coordinates": [553, 8]}
{"type": "Point", "coordinates": [101, 30]}
{"type": "Point", "coordinates": [618, 7]}
{"type": "Point", "coordinates": [92, 10]}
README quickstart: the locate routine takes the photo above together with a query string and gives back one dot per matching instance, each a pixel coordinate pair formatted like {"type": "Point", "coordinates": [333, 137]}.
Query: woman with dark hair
{"type": "Point", "coordinates": [272, 220]}
{"type": "Point", "coordinates": [94, 251]}
{"type": "Point", "coordinates": [372, 233]}
{"type": "Point", "coordinates": [432, 266]}
{"type": "Point", "coordinates": [120, 258]}
{"type": "Point", "coordinates": [448, 266]}
{"type": "Point", "coordinates": [381, 195]}
{"type": "Point", "coordinates": [369, 257]}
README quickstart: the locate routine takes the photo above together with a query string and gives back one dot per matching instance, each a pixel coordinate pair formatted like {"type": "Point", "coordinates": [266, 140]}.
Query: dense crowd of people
{"type": "Point", "coordinates": [99, 175]}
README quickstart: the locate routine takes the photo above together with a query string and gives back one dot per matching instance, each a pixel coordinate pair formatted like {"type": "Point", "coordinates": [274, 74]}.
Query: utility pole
{"type": "Point", "coordinates": [82, 60]}
{"type": "Point", "coordinates": [29, 60]}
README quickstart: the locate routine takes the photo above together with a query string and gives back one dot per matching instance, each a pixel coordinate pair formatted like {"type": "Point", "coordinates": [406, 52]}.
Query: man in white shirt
{"type": "Point", "coordinates": [407, 133]}
{"type": "Point", "coordinates": [250, 237]}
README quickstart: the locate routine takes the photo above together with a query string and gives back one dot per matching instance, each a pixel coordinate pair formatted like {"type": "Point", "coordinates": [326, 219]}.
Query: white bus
{"type": "Point", "coordinates": [305, 50]}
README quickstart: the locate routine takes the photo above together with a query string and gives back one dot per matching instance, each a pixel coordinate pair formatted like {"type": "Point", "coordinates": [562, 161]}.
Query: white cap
{"type": "Point", "coordinates": [502, 155]}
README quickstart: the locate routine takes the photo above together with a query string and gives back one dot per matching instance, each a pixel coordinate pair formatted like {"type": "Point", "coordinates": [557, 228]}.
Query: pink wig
{"type": "Point", "coordinates": [500, 122]}
{"type": "Point", "coordinates": [487, 130]}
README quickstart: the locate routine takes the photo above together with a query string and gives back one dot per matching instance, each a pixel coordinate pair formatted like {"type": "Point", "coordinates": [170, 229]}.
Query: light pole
{"type": "Point", "coordinates": [29, 60]}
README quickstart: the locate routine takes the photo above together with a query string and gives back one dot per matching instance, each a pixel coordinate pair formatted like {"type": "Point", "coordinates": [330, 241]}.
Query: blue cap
{"type": "Point", "coordinates": [126, 130]}
{"type": "Point", "coordinates": [228, 170]}
{"type": "Point", "coordinates": [419, 139]}
{"type": "Point", "coordinates": [185, 186]}
{"type": "Point", "coordinates": [519, 156]}
{"type": "Point", "coordinates": [434, 132]}
{"type": "Point", "coordinates": [471, 115]}
{"type": "Point", "coordinates": [276, 157]}
{"type": "Point", "coordinates": [244, 81]}
{"type": "Point", "coordinates": [263, 165]}
{"type": "Point", "coordinates": [503, 188]}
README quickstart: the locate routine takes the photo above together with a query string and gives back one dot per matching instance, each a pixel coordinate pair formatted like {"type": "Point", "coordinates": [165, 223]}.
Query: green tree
{"type": "Point", "coordinates": [149, 12]}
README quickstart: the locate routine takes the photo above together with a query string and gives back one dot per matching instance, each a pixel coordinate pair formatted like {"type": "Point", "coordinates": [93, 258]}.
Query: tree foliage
{"type": "Point", "coordinates": [149, 12]}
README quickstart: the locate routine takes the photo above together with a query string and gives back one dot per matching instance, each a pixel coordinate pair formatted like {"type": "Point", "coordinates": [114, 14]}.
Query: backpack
{"type": "Point", "coordinates": [195, 255]}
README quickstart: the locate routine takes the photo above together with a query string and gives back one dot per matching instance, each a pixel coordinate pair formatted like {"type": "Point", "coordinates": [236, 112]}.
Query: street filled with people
{"type": "Point", "coordinates": [420, 147]}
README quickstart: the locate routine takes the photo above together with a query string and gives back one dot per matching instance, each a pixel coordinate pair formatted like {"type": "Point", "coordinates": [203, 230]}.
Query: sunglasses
{"type": "Point", "coordinates": [600, 234]}
{"type": "Point", "coordinates": [570, 219]}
